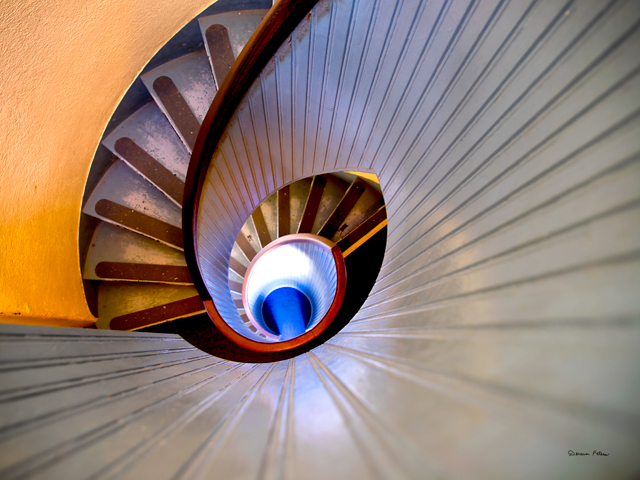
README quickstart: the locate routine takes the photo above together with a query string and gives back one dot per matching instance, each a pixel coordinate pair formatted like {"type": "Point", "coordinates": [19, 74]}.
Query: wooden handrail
{"type": "Point", "coordinates": [278, 24]}
{"type": "Point", "coordinates": [275, 28]}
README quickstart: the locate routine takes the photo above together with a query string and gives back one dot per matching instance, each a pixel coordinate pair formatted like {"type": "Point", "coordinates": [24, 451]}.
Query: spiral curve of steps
{"type": "Point", "coordinates": [502, 332]}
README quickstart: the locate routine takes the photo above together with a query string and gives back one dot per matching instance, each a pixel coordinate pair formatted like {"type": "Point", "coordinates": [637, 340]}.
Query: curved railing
{"type": "Point", "coordinates": [274, 29]}
{"type": "Point", "coordinates": [316, 330]}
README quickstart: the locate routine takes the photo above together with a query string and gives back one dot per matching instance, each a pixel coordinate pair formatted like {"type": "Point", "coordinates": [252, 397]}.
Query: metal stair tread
{"type": "Point", "coordinates": [114, 244]}
{"type": "Point", "coordinates": [192, 76]}
{"type": "Point", "coordinates": [122, 186]}
{"type": "Point", "coordinates": [149, 128]}
{"type": "Point", "coordinates": [118, 299]}
{"type": "Point", "coordinates": [240, 25]}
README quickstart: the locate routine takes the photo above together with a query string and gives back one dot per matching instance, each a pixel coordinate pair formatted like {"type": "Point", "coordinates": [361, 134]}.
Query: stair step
{"type": "Point", "coordinates": [333, 193]}
{"type": "Point", "coordinates": [245, 244]}
{"type": "Point", "coordinates": [283, 211]}
{"type": "Point", "coordinates": [265, 220]}
{"type": "Point", "coordinates": [343, 208]}
{"type": "Point", "coordinates": [369, 203]}
{"type": "Point", "coordinates": [147, 142]}
{"type": "Point", "coordinates": [124, 198]}
{"type": "Point", "coordinates": [260, 225]}
{"type": "Point", "coordinates": [129, 306]}
{"type": "Point", "coordinates": [312, 204]}
{"type": "Point", "coordinates": [334, 206]}
{"type": "Point", "coordinates": [225, 35]}
{"type": "Point", "coordinates": [236, 265]}
{"type": "Point", "coordinates": [363, 232]}
{"type": "Point", "coordinates": [298, 193]}
{"type": "Point", "coordinates": [183, 89]}
{"type": "Point", "coordinates": [248, 240]}
{"type": "Point", "coordinates": [236, 287]}
{"type": "Point", "coordinates": [119, 254]}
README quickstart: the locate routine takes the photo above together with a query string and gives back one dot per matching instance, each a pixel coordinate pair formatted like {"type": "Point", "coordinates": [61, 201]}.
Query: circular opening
{"type": "Point", "coordinates": [286, 312]}
{"type": "Point", "coordinates": [290, 285]}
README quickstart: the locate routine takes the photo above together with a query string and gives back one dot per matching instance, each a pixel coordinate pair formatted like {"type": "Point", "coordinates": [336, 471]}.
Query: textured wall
{"type": "Point", "coordinates": [65, 66]}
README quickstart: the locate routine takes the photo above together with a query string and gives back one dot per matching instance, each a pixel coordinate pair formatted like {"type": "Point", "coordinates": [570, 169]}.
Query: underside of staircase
{"type": "Point", "coordinates": [476, 166]}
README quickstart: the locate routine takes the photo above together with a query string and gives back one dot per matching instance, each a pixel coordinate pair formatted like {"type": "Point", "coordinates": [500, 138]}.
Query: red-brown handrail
{"type": "Point", "coordinates": [275, 28]}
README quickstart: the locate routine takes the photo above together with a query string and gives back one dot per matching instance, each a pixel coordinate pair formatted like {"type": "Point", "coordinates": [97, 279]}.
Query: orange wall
{"type": "Point", "coordinates": [64, 67]}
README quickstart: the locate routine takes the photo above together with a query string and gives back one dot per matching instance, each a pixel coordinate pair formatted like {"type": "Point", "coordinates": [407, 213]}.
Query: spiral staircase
{"type": "Point", "coordinates": [475, 165]}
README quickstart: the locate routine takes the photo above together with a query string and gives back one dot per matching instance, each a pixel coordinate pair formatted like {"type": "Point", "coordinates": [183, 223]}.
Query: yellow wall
{"type": "Point", "coordinates": [64, 66]}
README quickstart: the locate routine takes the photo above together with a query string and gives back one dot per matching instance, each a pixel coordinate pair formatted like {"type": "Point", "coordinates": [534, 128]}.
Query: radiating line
{"type": "Point", "coordinates": [278, 95]}
{"type": "Point", "coordinates": [307, 92]}
{"type": "Point", "coordinates": [216, 219]}
{"type": "Point", "coordinates": [294, 94]}
{"type": "Point", "coordinates": [364, 52]}
{"type": "Point", "coordinates": [52, 455]}
{"type": "Point", "coordinates": [247, 150]}
{"type": "Point", "coordinates": [530, 121]}
{"type": "Point", "coordinates": [323, 88]}
{"type": "Point", "coordinates": [506, 43]}
{"type": "Point", "coordinates": [210, 449]}
{"type": "Point", "coordinates": [392, 454]}
{"type": "Point", "coordinates": [221, 154]}
{"type": "Point", "coordinates": [261, 161]}
{"type": "Point", "coordinates": [451, 44]}
{"type": "Point", "coordinates": [517, 248]}
{"type": "Point", "coordinates": [632, 256]}
{"type": "Point", "coordinates": [40, 362]}
{"type": "Point", "coordinates": [401, 57]}
{"type": "Point", "coordinates": [491, 395]}
{"type": "Point", "coordinates": [373, 84]}
{"type": "Point", "coordinates": [341, 78]}
{"type": "Point", "coordinates": [538, 146]}
{"type": "Point", "coordinates": [82, 336]}
{"type": "Point", "coordinates": [33, 423]}
{"type": "Point", "coordinates": [480, 38]}
{"type": "Point", "coordinates": [22, 393]}
{"type": "Point", "coordinates": [274, 459]}
{"type": "Point", "coordinates": [127, 460]}
{"type": "Point", "coordinates": [466, 331]}
{"type": "Point", "coordinates": [270, 149]}
{"type": "Point", "coordinates": [527, 184]}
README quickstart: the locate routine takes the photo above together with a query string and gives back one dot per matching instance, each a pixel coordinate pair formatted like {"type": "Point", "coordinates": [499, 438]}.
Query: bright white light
{"type": "Point", "coordinates": [305, 266]}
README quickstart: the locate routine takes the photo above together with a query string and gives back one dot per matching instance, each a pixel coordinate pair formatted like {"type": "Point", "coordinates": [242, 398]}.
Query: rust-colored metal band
{"type": "Point", "coordinates": [221, 52]}
{"type": "Point", "coordinates": [152, 316]}
{"type": "Point", "coordinates": [341, 287]}
{"type": "Point", "coordinates": [246, 247]}
{"type": "Point", "coordinates": [313, 202]}
{"type": "Point", "coordinates": [143, 272]}
{"type": "Point", "coordinates": [362, 230]}
{"type": "Point", "coordinates": [343, 208]}
{"type": "Point", "coordinates": [140, 222]}
{"type": "Point", "coordinates": [150, 168]}
{"type": "Point", "coordinates": [284, 212]}
{"type": "Point", "coordinates": [261, 227]}
{"type": "Point", "coordinates": [178, 109]}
